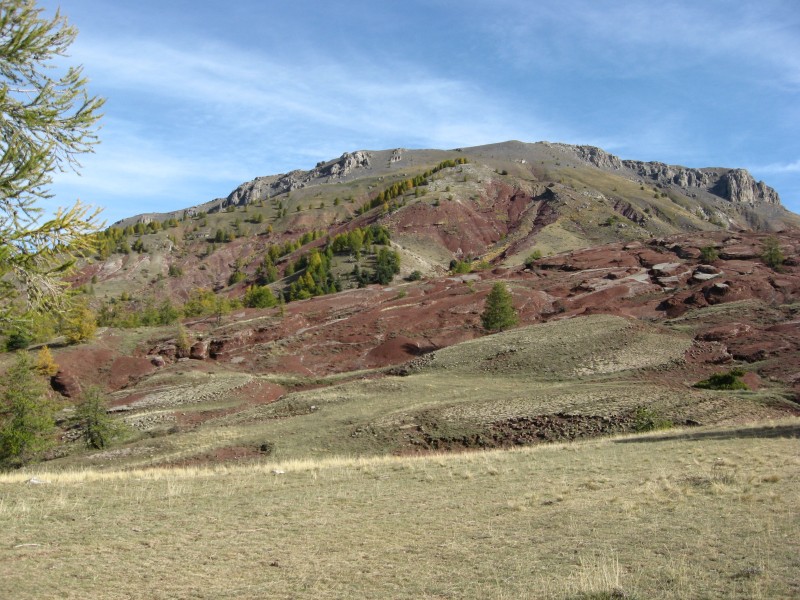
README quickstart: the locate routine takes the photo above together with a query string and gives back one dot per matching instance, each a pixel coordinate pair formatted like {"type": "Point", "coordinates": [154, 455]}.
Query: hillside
{"type": "Point", "coordinates": [609, 336]}
{"type": "Point", "coordinates": [325, 304]}
{"type": "Point", "coordinates": [312, 407]}
{"type": "Point", "coordinates": [342, 305]}
{"type": "Point", "coordinates": [499, 203]}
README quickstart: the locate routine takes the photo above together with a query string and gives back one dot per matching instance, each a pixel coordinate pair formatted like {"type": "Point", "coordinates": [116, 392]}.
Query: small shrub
{"type": "Point", "coordinates": [723, 381]}
{"type": "Point", "coordinates": [236, 277]}
{"type": "Point", "coordinates": [19, 339]}
{"type": "Point", "coordinates": [612, 220]}
{"type": "Point", "coordinates": [414, 276]}
{"type": "Point", "coordinates": [772, 255]}
{"type": "Point", "coordinates": [646, 419]}
{"type": "Point", "coordinates": [532, 258]}
{"type": "Point", "coordinates": [459, 267]}
{"type": "Point", "coordinates": [708, 254]}
{"type": "Point", "coordinates": [182, 342]}
{"type": "Point", "coordinates": [259, 297]}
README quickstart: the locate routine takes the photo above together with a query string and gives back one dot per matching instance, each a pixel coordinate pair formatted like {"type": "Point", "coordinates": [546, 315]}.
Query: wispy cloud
{"type": "Point", "coordinates": [630, 39]}
{"type": "Point", "coordinates": [778, 168]}
{"type": "Point", "coordinates": [249, 92]}
{"type": "Point", "coordinates": [186, 120]}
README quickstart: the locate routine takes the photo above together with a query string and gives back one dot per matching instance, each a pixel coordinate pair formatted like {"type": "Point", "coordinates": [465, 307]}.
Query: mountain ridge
{"type": "Point", "coordinates": [734, 184]}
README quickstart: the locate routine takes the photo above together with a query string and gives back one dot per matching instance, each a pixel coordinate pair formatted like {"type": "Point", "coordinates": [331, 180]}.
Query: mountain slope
{"type": "Point", "coordinates": [504, 202]}
{"type": "Point", "coordinates": [666, 259]}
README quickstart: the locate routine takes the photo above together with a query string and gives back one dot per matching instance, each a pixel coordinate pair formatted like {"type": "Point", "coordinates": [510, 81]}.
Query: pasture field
{"type": "Point", "coordinates": [706, 512]}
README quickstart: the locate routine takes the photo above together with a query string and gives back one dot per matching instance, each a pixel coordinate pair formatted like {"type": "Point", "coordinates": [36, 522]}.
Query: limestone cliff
{"type": "Point", "coordinates": [734, 185]}
{"type": "Point", "coordinates": [262, 188]}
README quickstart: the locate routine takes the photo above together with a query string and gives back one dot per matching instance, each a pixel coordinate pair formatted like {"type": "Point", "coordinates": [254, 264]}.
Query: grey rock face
{"type": "Point", "coordinates": [598, 157]}
{"type": "Point", "coordinates": [263, 188]}
{"type": "Point", "coordinates": [671, 174]}
{"type": "Point", "coordinates": [343, 167]}
{"type": "Point", "coordinates": [737, 185]}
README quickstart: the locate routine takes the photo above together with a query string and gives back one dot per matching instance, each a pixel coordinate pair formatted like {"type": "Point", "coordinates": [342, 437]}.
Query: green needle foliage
{"type": "Point", "coordinates": [724, 381]}
{"type": "Point", "coordinates": [773, 255]}
{"type": "Point", "coordinates": [708, 254]}
{"type": "Point", "coordinates": [46, 120]}
{"type": "Point", "coordinates": [499, 312]}
{"type": "Point", "coordinates": [97, 427]}
{"type": "Point", "coordinates": [26, 414]}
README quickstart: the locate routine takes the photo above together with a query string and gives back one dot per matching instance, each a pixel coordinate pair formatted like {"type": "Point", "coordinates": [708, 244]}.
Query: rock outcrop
{"type": "Point", "coordinates": [598, 157]}
{"type": "Point", "coordinates": [349, 162]}
{"type": "Point", "coordinates": [66, 384]}
{"type": "Point", "coordinates": [735, 185]}
{"type": "Point", "coordinates": [263, 188]}
{"type": "Point", "coordinates": [670, 174]}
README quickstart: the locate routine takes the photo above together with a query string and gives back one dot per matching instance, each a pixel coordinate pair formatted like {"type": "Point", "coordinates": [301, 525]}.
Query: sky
{"type": "Point", "coordinates": [204, 95]}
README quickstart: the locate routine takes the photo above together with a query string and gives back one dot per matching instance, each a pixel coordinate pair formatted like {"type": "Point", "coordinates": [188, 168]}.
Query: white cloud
{"type": "Point", "coordinates": [181, 121]}
{"type": "Point", "coordinates": [248, 92]}
{"type": "Point", "coordinates": [632, 39]}
{"type": "Point", "coordinates": [777, 168]}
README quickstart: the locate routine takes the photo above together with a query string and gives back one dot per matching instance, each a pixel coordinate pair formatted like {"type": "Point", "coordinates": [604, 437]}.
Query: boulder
{"type": "Point", "coordinates": [740, 252]}
{"type": "Point", "coordinates": [66, 384]}
{"type": "Point", "coordinates": [700, 276]}
{"type": "Point", "coordinates": [725, 332]}
{"type": "Point", "coordinates": [199, 350]}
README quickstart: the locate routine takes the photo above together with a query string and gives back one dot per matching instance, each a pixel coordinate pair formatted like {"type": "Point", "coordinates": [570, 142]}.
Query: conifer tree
{"type": "Point", "coordinates": [45, 364]}
{"type": "Point", "coordinates": [499, 312]}
{"type": "Point", "coordinates": [97, 427]}
{"type": "Point", "coordinates": [26, 414]}
{"type": "Point", "coordinates": [772, 255]}
{"type": "Point", "coordinates": [47, 119]}
{"type": "Point", "coordinates": [79, 324]}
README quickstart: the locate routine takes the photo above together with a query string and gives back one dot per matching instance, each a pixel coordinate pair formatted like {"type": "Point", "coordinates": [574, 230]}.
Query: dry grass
{"type": "Point", "coordinates": [565, 350]}
{"type": "Point", "coordinates": [596, 366]}
{"type": "Point", "coordinates": [691, 514]}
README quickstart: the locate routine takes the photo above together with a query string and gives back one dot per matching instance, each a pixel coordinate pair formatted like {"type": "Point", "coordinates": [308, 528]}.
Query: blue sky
{"type": "Point", "coordinates": [204, 95]}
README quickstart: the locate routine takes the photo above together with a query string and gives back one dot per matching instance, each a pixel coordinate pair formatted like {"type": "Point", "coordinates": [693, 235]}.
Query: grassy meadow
{"type": "Point", "coordinates": [700, 513]}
